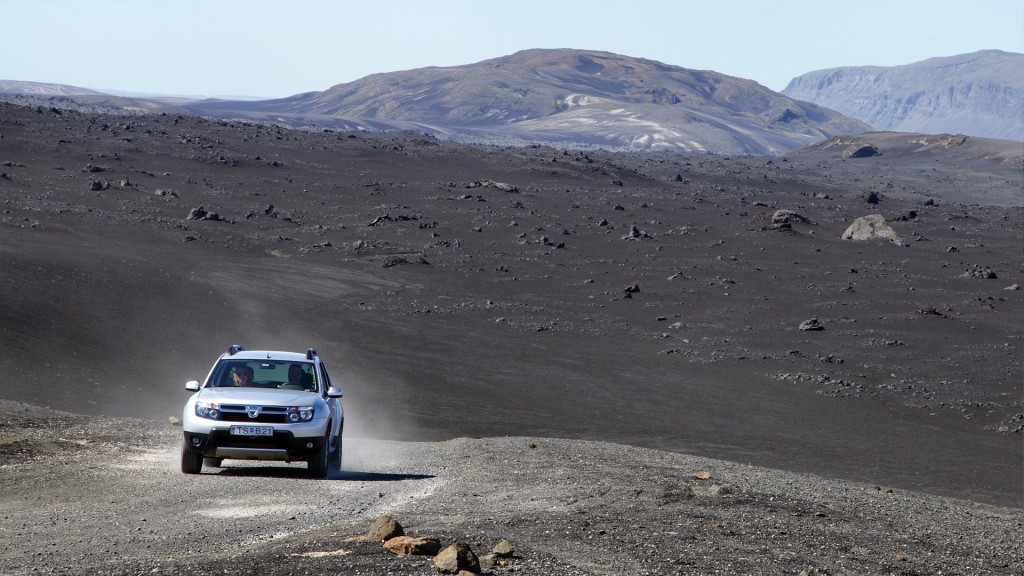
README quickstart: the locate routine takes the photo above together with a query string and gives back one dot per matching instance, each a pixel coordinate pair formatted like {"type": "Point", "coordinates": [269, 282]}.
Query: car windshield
{"type": "Point", "coordinates": [264, 374]}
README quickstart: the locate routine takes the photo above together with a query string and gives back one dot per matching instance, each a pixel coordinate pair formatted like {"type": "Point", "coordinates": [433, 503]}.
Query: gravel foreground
{"type": "Point", "coordinates": [100, 495]}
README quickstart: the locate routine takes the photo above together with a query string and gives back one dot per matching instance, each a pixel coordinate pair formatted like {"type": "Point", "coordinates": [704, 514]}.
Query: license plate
{"type": "Point", "coordinates": [252, 430]}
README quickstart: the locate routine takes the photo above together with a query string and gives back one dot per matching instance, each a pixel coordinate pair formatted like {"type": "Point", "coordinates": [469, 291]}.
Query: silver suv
{"type": "Point", "coordinates": [263, 405]}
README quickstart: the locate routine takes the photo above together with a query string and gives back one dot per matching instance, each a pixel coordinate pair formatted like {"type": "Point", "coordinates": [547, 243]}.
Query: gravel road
{"type": "Point", "coordinates": [92, 495]}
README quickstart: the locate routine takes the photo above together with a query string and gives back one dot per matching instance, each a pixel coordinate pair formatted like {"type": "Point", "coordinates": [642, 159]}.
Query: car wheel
{"type": "Point", "coordinates": [212, 462]}
{"type": "Point", "coordinates": [335, 462]}
{"type": "Point", "coordinates": [191, 462]}
{"type": "Point", "coordinates": [318, 462]}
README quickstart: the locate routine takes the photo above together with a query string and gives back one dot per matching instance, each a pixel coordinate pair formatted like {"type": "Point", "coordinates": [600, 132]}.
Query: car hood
{"type": "Point", "coordinates": [258, 396]}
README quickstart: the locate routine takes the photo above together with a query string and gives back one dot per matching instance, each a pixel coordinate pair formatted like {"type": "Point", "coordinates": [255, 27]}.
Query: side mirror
{"type": "Point", "coordinates": [334, 392]}
{"type": "Point", "coordinates": [192, 385]}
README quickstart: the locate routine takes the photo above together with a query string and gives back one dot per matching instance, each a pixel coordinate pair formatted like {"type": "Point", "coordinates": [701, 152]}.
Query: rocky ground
{"type": "Point", "coordinates": [701, 306]}
{"type": "Point", "coordinates": [101, 495]}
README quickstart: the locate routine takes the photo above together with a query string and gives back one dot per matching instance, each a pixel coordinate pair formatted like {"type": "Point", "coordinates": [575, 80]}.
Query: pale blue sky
{"type": "Point", "coordinates": [270, 48]}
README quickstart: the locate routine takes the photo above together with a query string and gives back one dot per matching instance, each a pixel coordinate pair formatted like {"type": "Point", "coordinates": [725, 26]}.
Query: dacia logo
{"type": "Point", "coordinates": [252, 411]}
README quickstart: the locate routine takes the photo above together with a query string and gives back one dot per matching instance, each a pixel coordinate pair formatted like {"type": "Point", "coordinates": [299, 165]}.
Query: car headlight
{"type": "Point", "coordinates": [300, 414]}
{"type": "Point", "coordinates": [208, 410]}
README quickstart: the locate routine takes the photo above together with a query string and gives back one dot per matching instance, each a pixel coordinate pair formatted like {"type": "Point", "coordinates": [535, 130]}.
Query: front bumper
{"type": "Point", "coordinates": [282, 446]}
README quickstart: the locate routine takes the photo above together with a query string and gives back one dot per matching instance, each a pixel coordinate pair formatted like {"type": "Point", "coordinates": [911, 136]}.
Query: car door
{"type": "Point", "coordinates": [333, 404]}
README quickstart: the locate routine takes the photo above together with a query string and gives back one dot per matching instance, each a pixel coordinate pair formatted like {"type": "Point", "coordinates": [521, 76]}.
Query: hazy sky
{"type": "Point", "coordinates": [269, 48]}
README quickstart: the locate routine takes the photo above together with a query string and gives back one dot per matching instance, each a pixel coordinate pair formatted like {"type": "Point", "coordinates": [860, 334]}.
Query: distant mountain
{"type": "Point", "coordinates": [42, 89]}
{"type": "Point", "coordinates": [559, 97]}
{"type": "Point", "coordinates": [977, 94]}
{"type": "Point", "coordinates": [567, 96]}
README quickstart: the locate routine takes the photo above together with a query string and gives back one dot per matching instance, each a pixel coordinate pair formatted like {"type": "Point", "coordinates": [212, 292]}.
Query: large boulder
{"type": "Point", "coordinates": [870, 227]}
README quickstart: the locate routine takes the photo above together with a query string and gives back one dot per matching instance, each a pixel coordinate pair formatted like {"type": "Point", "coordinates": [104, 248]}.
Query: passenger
{"type": "Point", "coordinates": [242, 376]}
{"type": "Point", "coordinates": [295, 375]}
{"type": "Point", "coordinates": [299, 378]}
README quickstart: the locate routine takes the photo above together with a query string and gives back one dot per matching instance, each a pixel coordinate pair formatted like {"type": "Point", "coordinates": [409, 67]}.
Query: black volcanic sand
{"type": "Point", "coordinates": [448, 304]}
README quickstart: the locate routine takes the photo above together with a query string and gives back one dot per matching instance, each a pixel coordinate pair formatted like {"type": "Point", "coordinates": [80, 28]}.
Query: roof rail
{"type": "Point", "coordinates": [310, 353]}
{"type": "Point", "coordinates": [234, 349]}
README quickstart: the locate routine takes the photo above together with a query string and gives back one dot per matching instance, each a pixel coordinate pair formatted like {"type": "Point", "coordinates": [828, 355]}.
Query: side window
{"type": "Point", "coordinates": [327, 379]}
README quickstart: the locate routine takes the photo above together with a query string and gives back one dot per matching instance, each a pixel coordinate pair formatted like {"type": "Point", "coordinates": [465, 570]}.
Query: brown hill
{"type": "Point", "coordinates": [569, 96]}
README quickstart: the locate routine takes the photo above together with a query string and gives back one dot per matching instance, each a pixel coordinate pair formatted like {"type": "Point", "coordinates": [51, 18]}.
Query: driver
{"type": "Point", "coordinates": [242, 376]}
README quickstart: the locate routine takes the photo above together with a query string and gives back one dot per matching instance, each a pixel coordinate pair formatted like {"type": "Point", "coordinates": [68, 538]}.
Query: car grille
{"type": "Point", "coordinates": [267, 415]}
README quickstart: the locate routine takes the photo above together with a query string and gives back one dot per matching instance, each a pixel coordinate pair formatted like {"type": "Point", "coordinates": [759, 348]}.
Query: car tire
{"type": "Point", "coordinates": [212, 462]}
{"type": "Point", "coordinates": [335, 461]}
{"type": "Point", "coordinates": [191, 462]}
{"type": "Point", "coordinates": [318, 462]}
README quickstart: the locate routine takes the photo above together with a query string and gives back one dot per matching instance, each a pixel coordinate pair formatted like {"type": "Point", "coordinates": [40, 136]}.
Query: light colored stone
{"type": "Point", "coordinates": [413, 545]}
{"type": "Point", "coordinates": [504, 549]}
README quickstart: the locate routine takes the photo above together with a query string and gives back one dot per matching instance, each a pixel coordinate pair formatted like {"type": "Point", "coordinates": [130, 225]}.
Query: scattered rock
{"type": "Point", "coordinates": [636, 234]}
{"type": "Point", "coordinates": [394, 261]}
{"type": "Point", "coordinates": [489, 562]}
{"type": "Point", "coordinates": [784, 219]}
{"type": "Point", "coordinates": [384, 528]}
{"type": "Point", "coordinates": [413, 545]}
{"type": "Point", "coordinates": [872, 226]}
{"type": "Point", "coordinates": [503, 549]}
{"type": "Point", "coordinates": [871, 197]}
{"type": "Point", "coordinates": [1012, 287]}
{"type": "Point", "coordinates": [787, 216]}
{"type": "Point", "coordinates": [911, 215]}
{"type": "Point", "coordinates": [713, 490]}
{"type": "Point", "coordinates": [455, 558]}
{"type": "Point", "coordinates": [812, 324]}
{"type": "Point", "coordinates": [978, 271]}
{"type": "Point", "coordinates": [390, 218]}
{"type": "Point", "coordinates": [201, 213]}
{"type": "Point", "coordinates": [504, 187]}
{"type": "Point", "coordinates": [929, 311]}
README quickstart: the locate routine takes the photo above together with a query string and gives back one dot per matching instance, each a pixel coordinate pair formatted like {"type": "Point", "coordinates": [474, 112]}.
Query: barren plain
{"type": "Point", "coordinates": [523, 334]}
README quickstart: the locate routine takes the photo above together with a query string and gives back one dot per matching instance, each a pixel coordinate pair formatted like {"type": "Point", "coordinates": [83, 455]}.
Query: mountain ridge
{"type": "Point", "coordinates": [977, 94]}
{"type": "Point", "coordinates": [585, 96]}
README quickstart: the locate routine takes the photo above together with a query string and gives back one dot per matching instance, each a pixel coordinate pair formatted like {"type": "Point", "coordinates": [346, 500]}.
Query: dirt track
{"type": "Point", "coordinates": [80, 498]}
